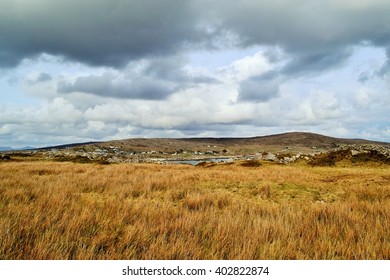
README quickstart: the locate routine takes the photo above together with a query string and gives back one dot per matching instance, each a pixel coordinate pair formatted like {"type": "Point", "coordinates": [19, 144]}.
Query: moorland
{"type": "Point", "coordinates": [331, 202]}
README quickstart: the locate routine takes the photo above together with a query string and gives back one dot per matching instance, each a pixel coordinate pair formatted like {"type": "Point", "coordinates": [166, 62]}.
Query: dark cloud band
{"type": "Point", "coordinates": [113, 32]}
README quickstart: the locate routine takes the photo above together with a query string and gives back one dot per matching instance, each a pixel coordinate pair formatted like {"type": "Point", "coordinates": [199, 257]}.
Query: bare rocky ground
{"type": "Point", "coordinates": [287, 148]}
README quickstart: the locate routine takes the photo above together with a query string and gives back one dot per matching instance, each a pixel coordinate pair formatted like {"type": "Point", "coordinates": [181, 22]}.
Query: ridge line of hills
{"type": "Point", "coordinates": [289, 137]}
{"type": "Point", "coordinates": [304, 140]}
{"type": "Point", "coordinates": [315, 149]}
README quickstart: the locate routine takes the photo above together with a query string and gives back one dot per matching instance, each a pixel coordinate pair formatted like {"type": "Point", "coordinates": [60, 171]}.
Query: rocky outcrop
{"type": "Point", "coordinates": [354, 154]}
{"type": "Point", "coordinates": [5, 157]}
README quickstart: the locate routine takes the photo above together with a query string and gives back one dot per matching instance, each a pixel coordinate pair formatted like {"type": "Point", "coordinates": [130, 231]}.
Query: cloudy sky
{"type": "Point", "coordinates": [74, 70]}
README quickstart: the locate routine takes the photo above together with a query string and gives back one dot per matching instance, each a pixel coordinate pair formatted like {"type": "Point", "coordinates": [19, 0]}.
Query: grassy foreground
{"type": "Point", "coordinates": [60, 210]}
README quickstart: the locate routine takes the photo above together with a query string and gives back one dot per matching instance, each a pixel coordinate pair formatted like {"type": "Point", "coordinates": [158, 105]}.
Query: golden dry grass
{"type": "Point", "coordinates": [59, 210]}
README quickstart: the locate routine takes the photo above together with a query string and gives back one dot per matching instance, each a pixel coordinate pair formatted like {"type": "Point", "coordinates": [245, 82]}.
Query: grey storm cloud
{"type": "Point", "coordinates": [301, 26]}
{"type": "Point", "coordinates": [266, 86]}
{"type": "Point", "coordinates": [107, 85]}
{"type": "Point", "coordinates": [260, 88]}
{"type": "Point", "coordinates": [315, 35]}
{"type": "Point", "coordinates": [155, 79]}
{"type": "Point", "coordinates": [386, 66]}
{"type": "Point", "coordinates": [171, 68]}
{"type": "Point", "coordinates": [40, 78]}
{"type": "Point", "coordinates": [43, 77]}
{"type": "Point", "coordinates": [112, 32]}
{"type": "Point", "coordinates": [315, 62]}
{"type": "Point", "coordinates": [95, 32]}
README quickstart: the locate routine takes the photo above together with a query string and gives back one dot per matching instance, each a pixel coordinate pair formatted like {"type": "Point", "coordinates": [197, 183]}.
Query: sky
{"type": "Point", "coordinates": [96, 70]}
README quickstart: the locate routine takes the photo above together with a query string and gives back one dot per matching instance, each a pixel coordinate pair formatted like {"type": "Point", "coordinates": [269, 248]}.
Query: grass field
{"type": "Point", "coordinates": [62, 210]}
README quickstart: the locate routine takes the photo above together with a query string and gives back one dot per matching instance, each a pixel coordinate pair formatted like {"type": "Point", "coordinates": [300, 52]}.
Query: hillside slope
{"type": "Point", "coordinates": [282, 148]}
{"type": "Point", "coordinates": [294, 141]}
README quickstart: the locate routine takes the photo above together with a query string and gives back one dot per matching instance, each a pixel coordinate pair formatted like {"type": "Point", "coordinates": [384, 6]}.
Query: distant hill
{"type": "Point", "coordinates": [8, 148]}
{"type": "Point", "coordinates": [65, 146]}
{"type": "Point", "coordinates": [301, 139]}
{"type": "Point", "coordinates": [294, 141]}
{"type": "Point", "coordinates": [28, 148]}
{"type": "Point", "coordinates": [316, 149]}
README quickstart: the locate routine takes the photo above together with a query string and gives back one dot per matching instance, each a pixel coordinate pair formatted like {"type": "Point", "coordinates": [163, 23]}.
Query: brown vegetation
{"type": "Point", "coordinates": [80, 159]}
{"type": "Point", "coordinates": [251, 163]}
{"type": "Point", "coordinates": [332, 158]}
{"type": "Point", "coordinates": [63, 210]}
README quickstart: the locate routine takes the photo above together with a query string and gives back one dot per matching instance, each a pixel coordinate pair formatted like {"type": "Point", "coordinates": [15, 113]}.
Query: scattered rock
{"type": "Point", "coordinates": [266, 156]}
{"type": "Point", "coordinates": [5, 157]}
{"type": "Point", "coordinates": [354, 152]}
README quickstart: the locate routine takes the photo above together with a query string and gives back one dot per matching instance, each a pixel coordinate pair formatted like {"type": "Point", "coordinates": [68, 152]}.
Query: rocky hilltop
{"type": "Point", "coordinates": [313, 148]}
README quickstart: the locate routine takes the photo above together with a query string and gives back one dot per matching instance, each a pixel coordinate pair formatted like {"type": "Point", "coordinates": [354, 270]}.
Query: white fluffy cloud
{"type": "Point", "coordinates": [245, 68]}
